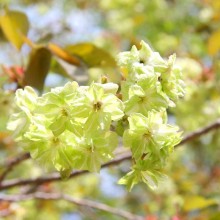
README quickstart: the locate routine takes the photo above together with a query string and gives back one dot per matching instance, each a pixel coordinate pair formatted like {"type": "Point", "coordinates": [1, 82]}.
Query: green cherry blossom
{"type": "Point", "coordinates": [57, 108]}
{"type": "Point", "coordinates": [71, 127]}
{"type": "Point", "coordinates": [25, 101]}
{"type": "Point", "coordinates": [171, 80]}
{"type": "Point", "coordinates": [146, 96]}
{"type": "Point", "coordinates": [92, 149]}
{"type": "Point", "coordinates": [149, 134]}
{"type": "Point", "coordinates": [98, 107]}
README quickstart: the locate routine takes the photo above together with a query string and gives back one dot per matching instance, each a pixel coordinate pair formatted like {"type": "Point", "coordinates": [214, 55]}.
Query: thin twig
{"type": "Point", "coordinates": [76, 201]}
{"type": "Point", "coordinates": [12, 163]}
{"type": "Point", "coordinates": [199, 132]}
{"type": "Point", "coordinates": [56, 176]}
{"type": "Point", "coordinates": [122, 157]}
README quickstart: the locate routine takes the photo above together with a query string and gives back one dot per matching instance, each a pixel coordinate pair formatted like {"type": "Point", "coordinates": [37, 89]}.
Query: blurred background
{"type": "Point", "coordinates": [189, 28]}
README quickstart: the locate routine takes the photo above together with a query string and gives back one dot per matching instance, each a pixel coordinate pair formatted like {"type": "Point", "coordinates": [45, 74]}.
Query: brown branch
{"type": "Point", "coordinates": [118, 159]}
{"type": "Point", "coordinates": [76, 201]}
{"type": "Point", "coordinates": [12, 163]}
{"type": "Point", "coordinates": [56, 176]}
{"type": "Point", "coordinates": [199, 132]}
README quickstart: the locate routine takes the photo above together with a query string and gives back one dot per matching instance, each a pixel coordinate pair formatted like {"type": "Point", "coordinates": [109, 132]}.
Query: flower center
{"type": "Point", "coordinates": [147, 135]}
{"type": "Point", "coordinates": [64, 112]}
{"type": "Point", "coordinates": [97, 106]}
{"type": "Point", "coordinates": [55, 140]}
{"type": "Point", "coordinates": [143, 99]}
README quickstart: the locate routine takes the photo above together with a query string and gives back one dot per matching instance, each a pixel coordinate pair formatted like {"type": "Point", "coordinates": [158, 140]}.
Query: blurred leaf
{"type": "Point", "coordinates": [64, 55]}
{"type": "Point", "coordinates": [197, 202]}
{"type": "Point", "coordinates": [2, 36]}
{"type": "Point", "coordinates": [151, 217]}
{"type": "Point", "coordinates": [65, 69]}
{"type": "Point", "coordinates": [56, 67]}
{"type": "Point", "coordinates": [139, 19]}
{"type": "Point", "coordinates": [214, 43]}
{"type": "Point", "coordinates": [3, 78]}
{"type": "Point", "coordinates": [215, 4]}
{"type": "Point", "coordinates": [45, 38]}
{"type": "Point", "coordinates": [3, 135]}
{"type": "Point", "coordinates": [37, 68]}
{"type": "Point", "coordinates": [215, 216]}
{"type": "Point", "coordinates": [14, 25]}
{"type": "Point", "coordinates": [4, 205]}
{"type": "Point", "coordinates": [92, 55]}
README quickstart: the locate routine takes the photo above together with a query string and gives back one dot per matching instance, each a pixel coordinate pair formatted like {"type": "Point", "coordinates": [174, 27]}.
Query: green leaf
{"type": "Point", "coordinates": [214, 43]}
{"type": "Point", "coordinates": [197, 202]}
{"type": "Point", "coordinates": [215, 216]}
{"type": "Point", "coordinates": [63, 54]}
{"type": "Point", "coordinates": [38, 67]}
{"type": "Point", "coordinates": [58, 68]}
{"type": "Point", "coordinates": [92, 55]}
{"type": "Point", "coordinates": [14, 25]}
{"type": "Point", "coordinates": [2, 36]}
